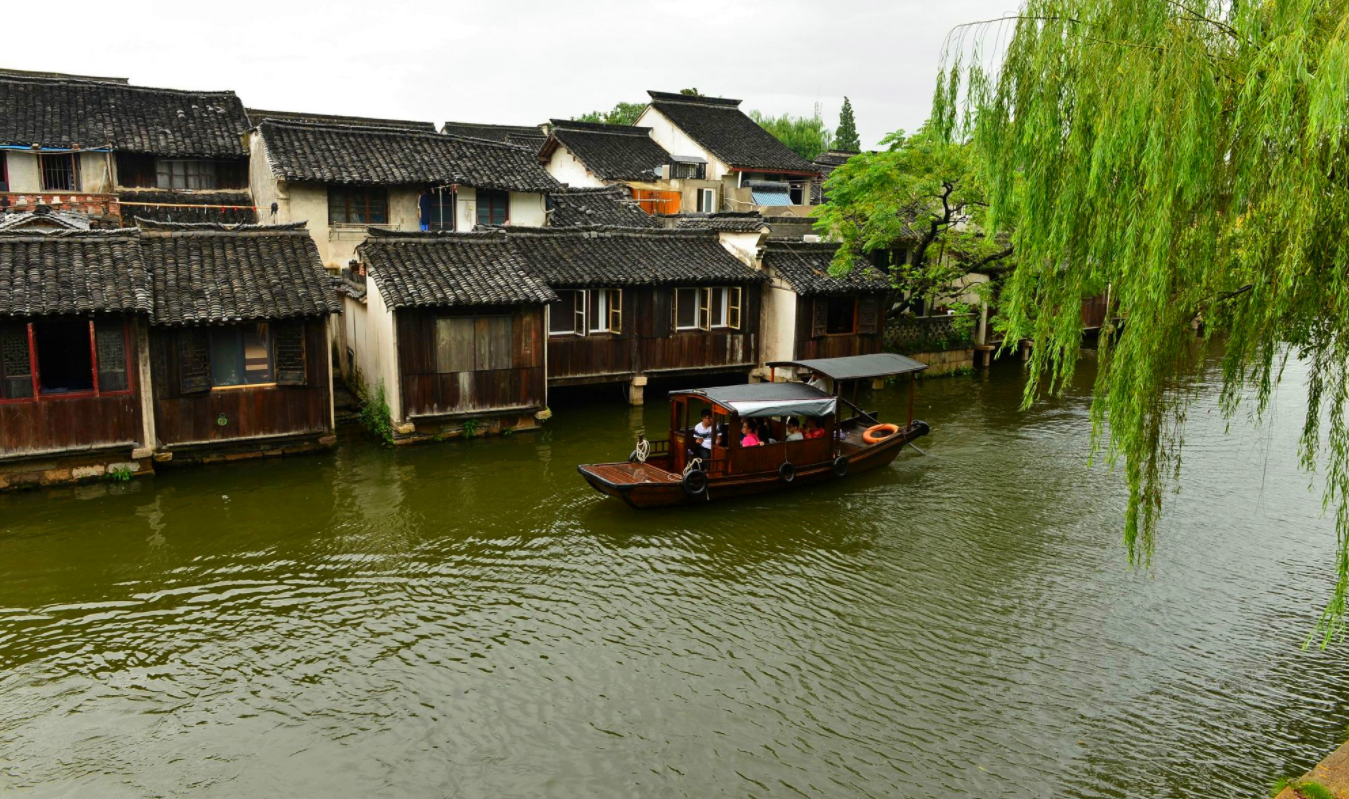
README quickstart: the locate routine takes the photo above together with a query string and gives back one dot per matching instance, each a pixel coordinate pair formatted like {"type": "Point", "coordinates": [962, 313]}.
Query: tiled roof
{"type": "Point", "coordinates": [162, 205]}
{"type": "Point", "coordinates": [449, 269]}
{"type": "Point", "coordinates": [72, 272]}
{"type": "Point", "coordinates": [531, 136]}
{"type": "Point", "coordinates": [805, 267]}
{"type": "Point", "coordinates": [610, 152]}
{"type": "Point", "coordinates": [609, 257]}
{"type": "Point", "coordinates": [392, 157]}
{"type": "Point", "coordinates": [256, 115]}
{"type": "Point", "coordinates": [209, 274]}
{"type": "Point", "coordinates": [826, 163]}
{"type": "Point", "coordinates": [728, 133]}
{"type": "Point", "coordinates": [611, 205]}
{"type": "Point", "coordinates": [725, 222]}
{"type": "Point", "coordinates": [94, 114]}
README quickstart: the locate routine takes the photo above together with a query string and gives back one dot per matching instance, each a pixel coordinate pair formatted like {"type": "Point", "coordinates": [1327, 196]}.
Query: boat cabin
{"type": "Point", "coordinates": [770, 406]}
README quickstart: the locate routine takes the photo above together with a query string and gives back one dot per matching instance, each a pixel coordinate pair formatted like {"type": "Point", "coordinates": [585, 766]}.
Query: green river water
{"type": "Point", "coordinates": [471, 620]}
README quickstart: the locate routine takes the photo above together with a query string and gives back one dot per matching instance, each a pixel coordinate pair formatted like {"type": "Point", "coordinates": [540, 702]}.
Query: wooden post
{"type": "Point", "coordinates": [913, 383]}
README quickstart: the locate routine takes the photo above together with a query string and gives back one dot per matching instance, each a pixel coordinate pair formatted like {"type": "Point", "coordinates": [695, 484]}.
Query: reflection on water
{"type": "Point", "coordinates": [471, 620]}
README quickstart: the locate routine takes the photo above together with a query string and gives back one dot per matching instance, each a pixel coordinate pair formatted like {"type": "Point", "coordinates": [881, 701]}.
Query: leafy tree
{"type": "Point", "coordinates": [845, 138]}
{"type": "Point", "coordinates": [620, 114]}
{"type": "Point", "coordinates": [690, 92]}
{"type": "Point", "coordinates": [923, 195]}
{"type": "Point", "coordinates": [805, 136]}
{"type": "Point", "coordinates": [1191, 155]}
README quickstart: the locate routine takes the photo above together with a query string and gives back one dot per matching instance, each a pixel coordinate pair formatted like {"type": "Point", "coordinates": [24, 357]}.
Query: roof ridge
{"type": "Point", "coordinates": [600, 127]}
{"type": "Point", "coordinates": [536, 128]}
{"type": "Point", "coordinates": [692, 99]}
{"type": "Point", "coordinates": [108, 84]}
{"type": "Point", "coordinates": [374, 129]}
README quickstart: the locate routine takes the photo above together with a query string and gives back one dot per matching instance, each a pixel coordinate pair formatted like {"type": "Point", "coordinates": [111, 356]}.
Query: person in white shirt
{"type": "Point", "coordinates": [702, 434]}
{"type": "Point", "coordinates": [793, 430]}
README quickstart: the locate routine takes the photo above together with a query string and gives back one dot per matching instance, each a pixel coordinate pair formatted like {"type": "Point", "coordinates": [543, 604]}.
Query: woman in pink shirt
{"type": "Point", "coordinates": [747, 439]}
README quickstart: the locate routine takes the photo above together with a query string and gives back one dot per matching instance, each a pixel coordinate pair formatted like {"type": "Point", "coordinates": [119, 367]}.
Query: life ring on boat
{"type": "Point", "coordinates": [786, 472]}
{"type": "Point", "coordinates": [695, 482]}
{"type": "Point", "coordinates": [879, 432]}
{"type": "Point", "coordinates": [841, 465]}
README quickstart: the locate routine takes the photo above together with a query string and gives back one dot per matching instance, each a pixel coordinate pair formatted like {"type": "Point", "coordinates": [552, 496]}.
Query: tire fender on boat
{"type": "Point", "coordinates": [841, 465]}
{"type": "Point", "coordinates": [787, 472]}
{"type": "Point", "coordinates": [695, 482]}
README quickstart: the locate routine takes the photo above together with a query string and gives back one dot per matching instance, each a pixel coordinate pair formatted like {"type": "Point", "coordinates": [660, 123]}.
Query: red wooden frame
{"type": "Point", "coordinates": [505, 195]}
{"type": "Point", "coordinates": [35, 374]}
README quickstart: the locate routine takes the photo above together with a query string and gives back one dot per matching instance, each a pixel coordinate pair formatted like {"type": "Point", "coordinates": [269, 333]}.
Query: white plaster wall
{"type": "Point", "coordinates": [676, 142]}
{"type": "Point", "coordinates": [527, 209]}
{"type": "Point", "coordinates": [466, 213]}
{"type": "Point", "coordinates": [744, 246]}
{"type": "Point", "coordinates": [779, 323]}
{"type": "Point", "coordinates": [23, 174]}
{"type": "Point", "coordinates": [376, 350]}
{"type": "Point", "coordinates": [263, 185]}
{"type": "Point", "coordinates": [567, 169]}
{"type": "Point", "coordinates": [95, 173]}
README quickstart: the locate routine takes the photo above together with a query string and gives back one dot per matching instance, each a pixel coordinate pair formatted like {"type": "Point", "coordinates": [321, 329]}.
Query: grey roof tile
{"type": "Point", "coordinates": [728, 133]}
{"type": "Point", "coordinates": [611, 205]}
{"type": "Point", "coordinates": [610, 152]}
{"type": "Point", "coordinates": [805, 267]}
{"type": "Point", "coordinates": [449, 269]}
{"type": "Point", "coordinates": [72, 272]}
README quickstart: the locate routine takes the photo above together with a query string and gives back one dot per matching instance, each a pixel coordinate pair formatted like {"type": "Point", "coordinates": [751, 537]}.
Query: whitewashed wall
{"type": "Point", "coordinates": [675, 142]}
{"type": "Point", "coordinates": [569, 170]}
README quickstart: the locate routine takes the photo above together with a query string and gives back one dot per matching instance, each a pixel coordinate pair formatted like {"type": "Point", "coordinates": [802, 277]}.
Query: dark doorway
{"type": "Point", "coordinates": [64, 361]}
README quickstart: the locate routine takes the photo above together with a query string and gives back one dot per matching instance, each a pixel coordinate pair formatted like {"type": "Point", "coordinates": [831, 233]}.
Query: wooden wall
{"type": "Point", "coordinates": [649, 341]}
{"type": "Point", "coordinates": [428, 391]}
{"type": "Point", "coordinates": [263, 411]}
{"type": "Point", "coordinates": [837, 346]}
{"type": "Point", "coordinates": [51, 425]}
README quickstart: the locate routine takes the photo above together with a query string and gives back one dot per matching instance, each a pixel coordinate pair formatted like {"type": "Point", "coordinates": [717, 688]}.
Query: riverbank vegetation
{"type": "Point", "coordinates": [1191, 156]}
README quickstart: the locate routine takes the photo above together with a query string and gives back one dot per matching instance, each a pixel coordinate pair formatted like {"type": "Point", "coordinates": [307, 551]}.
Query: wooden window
{"type": "Point", "coordinates": [438, 209]}
{"type": "Point", "coordinates": [16, 362]}
{"type": "Point", "coordinates": [4, 172]}
{"type": "Point", "coordinates": [704, 321]}
{"type": "Point", "coordinates": [841, 316]}
{"type": "Point", "coordinates": [734, 302]}
{"type": "Point", "coordinates": [242, 355]}
{"type": "Point", "coordinates": [184, 173]}
{"type": "Point", "coordinates": [474, 343]}
{"type": "Point", "coordinates": [819, 317]}
{"type": "Point", "coordinates": [707, 201]}
{"type": "Point", "coordinates": [494, 207]}
{"type": "Point", "coordinates": [289, 354]}
{"type": "Point", "coordinates": [615, 310]}
{"type": "Point", "coordinates": [686, 308]}
{"type": "Point", "coordinates": [110, 349]}
{"type": "Point", "coordinates": [597, 311]}
{"type": "Point", "coordinates": [868, 315]}
{"type": "Point", "coordinates": [65, 357]}
{"type": "Point", "coordinates": [562, 316]}
{"type": "Point", "coordinates": [60, 171]}
{"type": "Point", "coordinates": [355, 205]}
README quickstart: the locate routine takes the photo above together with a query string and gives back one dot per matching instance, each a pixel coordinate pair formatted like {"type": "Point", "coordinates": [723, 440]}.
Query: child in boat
{"type": "Point", "coordinates": [747, 437]}
{"type": "Point", "coordinates": [794, 430]}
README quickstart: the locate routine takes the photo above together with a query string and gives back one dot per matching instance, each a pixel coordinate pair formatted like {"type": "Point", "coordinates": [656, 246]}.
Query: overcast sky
{"type": "Point", "coordinates": [511, 63]}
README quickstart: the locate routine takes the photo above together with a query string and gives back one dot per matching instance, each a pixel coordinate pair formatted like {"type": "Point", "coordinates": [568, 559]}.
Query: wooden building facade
{"type": "Point", "coordinates": [816, 314]}
{"type": "Point", "coordinates": [638, 303]}
{"type": "Point", "coordinates": [450, 329]}
{"type": "Point", "coordinates": [239, 342]}
{"type": "Point", "coordinates": [73, 313]}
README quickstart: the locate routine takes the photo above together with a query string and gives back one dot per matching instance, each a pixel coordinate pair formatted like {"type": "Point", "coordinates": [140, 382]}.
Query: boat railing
{"type": "Point", "coordinates": [868, 415]}
{"type": "Point", "coordinates": [659, 446]}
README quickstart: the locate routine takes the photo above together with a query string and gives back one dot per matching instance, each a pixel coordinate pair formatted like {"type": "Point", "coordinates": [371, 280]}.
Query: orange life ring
{"type": "Point", "coordinates": [886, 431]}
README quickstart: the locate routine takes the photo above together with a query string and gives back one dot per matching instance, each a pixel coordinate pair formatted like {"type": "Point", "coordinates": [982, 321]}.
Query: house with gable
{"type": "Point", "coordinates": [752, 170]}
{"type": "Point", "coordinates": [346, 179]}
{"type": "Point", "coordinates": [103, 147]}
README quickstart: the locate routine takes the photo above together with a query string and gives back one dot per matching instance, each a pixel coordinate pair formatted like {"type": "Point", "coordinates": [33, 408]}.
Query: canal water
{"type": "Point", "coordinates": [471, 620]}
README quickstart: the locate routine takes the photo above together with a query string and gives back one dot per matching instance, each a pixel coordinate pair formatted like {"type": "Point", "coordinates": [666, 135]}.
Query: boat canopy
{"type": "Point", "coordinates": [768, 399]}
{"type": "Point", "coordinates": [855, 367]}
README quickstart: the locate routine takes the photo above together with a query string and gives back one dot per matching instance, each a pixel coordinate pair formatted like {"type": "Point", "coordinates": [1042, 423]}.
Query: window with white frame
{"type": "Point", "coordinates": [707, 201]}
{"type": "Point", "coordinates": [583, 312]}
{"type": "Point", "coordinates": [708, 308]}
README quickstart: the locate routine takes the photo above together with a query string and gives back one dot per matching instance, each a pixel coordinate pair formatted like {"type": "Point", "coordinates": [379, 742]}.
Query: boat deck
{"type": "Point", "coordinates": [632, 473]}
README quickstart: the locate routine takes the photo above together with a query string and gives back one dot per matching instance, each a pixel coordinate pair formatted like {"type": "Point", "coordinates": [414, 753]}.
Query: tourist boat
{"type": "Point", "coordinates": [674, 471]}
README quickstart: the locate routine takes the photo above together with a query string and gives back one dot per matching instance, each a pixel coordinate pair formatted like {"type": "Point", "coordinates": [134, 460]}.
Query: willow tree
{"type": "Point", "coordinates": [1191, 155]}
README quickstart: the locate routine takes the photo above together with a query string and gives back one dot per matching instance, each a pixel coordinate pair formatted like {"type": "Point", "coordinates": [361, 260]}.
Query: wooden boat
{"type": "Point", "coordinates": [674, 471]}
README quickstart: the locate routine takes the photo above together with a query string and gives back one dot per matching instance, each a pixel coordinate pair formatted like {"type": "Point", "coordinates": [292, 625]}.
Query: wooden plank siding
{"type": "Point", "coordinates": [832, 346]}
{"type": "Point", "coordinates": [54, 424]}
{"type": "Point", "coordinates": [250, 412]}
{"type": "Point", "coordinates": [649, 342]}
{"type": "Point", "coordinates": [517, 382]}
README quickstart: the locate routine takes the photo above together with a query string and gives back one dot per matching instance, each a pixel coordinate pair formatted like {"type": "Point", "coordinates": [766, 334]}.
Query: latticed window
{"type": "Point", "coordinates": [60, 171]}
{"type": "Point", "coordinates": [63, 357]}
{"type": "Point", "coordinates": [110, 342]}
{"type": "Point", "coordinates": [15, 363]}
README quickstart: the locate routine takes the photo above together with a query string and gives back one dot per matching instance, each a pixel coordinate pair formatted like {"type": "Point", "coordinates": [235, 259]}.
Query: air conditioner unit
{"type": "Point", "coordinates": [663, 172]}
{"type": "Point", "coordinates": [811, 238]}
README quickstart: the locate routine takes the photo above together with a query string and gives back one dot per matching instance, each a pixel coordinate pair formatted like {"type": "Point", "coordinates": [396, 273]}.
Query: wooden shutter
{"type": "Point", "coordinates": [194, 361]}
{"type": "Point", "coordinates": [734, 304]}
{"type": "Point", "coordinates": [110, 345]}
{"type": "Point", "coordinates": [290, 361]}
{"type": "Point", "coordinates": [704, 320]}
{"type": "Point", "coordinates": [868, 315]}
{"type": "Point", "coordinates": [615, 310]}
{"type": "Point", "coordinates": [662, 316]}
{"type": "Point", "coordinates": [819, 316]}
{"type": "Point", "coordinates": [500, 343]}
{"type": "Point", "coordinates": [455, 349]}
{"type": "Point", "coordinates": [15, 364]}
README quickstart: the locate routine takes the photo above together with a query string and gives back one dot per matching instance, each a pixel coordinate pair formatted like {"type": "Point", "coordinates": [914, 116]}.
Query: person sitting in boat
{"type": "Point", "coordinates": [813, 429]}
{"type": "Point", "coordinates": [765, 431]}
{"type": "Point", "coordinates": [747, 436]}
{"type": "Point", "coordinates": [702, 434]}
{"type": "Point", "coordinates": [794, 430]}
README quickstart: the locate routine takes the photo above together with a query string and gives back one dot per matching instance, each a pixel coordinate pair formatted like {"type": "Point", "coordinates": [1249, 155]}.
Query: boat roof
{"type": "Point", "coordinates": [767, 399]}
{"type": "Point", "coordinates": [854, 367]}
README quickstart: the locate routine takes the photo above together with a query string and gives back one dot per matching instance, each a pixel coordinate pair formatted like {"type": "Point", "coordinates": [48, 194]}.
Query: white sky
{"type": "Point", "coordinates": [516, 63]}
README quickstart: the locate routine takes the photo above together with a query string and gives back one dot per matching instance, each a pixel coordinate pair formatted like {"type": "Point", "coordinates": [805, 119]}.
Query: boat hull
{"type": "Point", "coordinates": [643, 486]}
